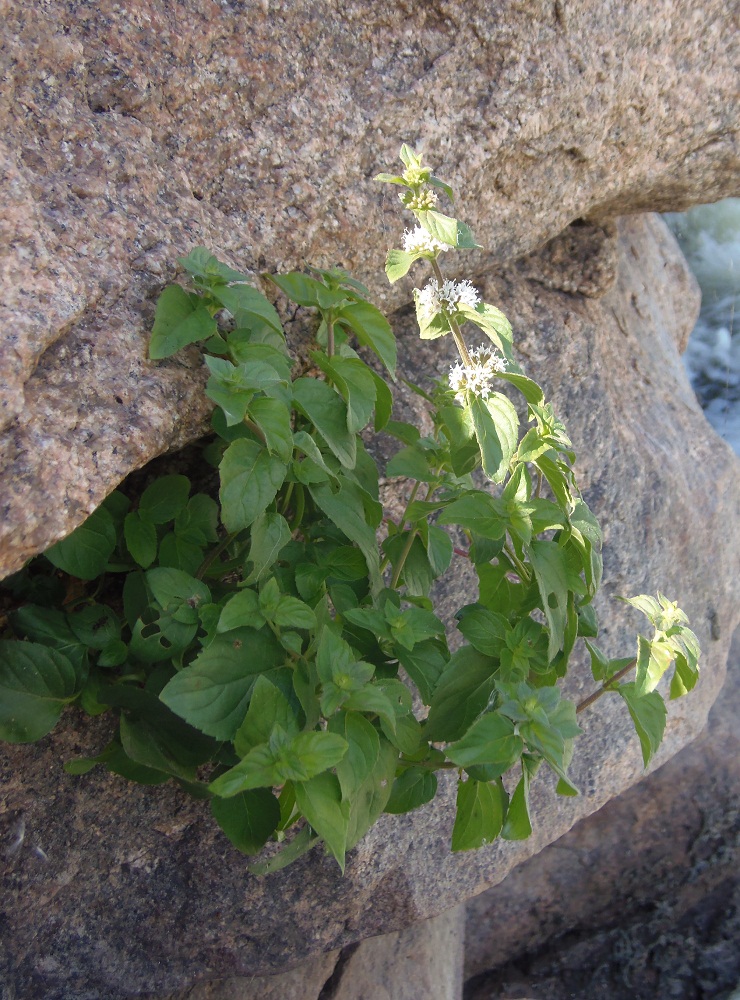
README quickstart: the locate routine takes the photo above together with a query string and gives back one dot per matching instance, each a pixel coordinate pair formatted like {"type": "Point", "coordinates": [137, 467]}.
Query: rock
{"type": "Point", "coordinates": [642, 899]}
{"type": "Point", "coordinates": [132, 132]}
{"type": "Point", "coordinates": [306, 982]}
{"type": "Point", "coordinates": [424, 960]}
{"type": "Point", "coordinates": [140, 892]}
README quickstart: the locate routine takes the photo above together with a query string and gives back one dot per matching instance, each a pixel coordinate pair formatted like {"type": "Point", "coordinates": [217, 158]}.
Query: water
{"type": "Point", "coordinates": [710, 239]}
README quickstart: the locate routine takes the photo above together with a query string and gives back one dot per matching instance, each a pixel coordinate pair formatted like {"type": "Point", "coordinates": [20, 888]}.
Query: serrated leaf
{"type": "Point", "coordinates": [85, 553]}
{"type": "Point", "coordinates": [201, 263]}
{"type": "Point", "coordinates": [269, 536]}
{"type": "Point", "coordinates": [36, 682]}
{"type": "Point", "coordinates": [649, 714]}
{"type": "Point", "coordinates": [307, 291]}
{"type": "Point", "coordinates": [164, 499]}
{"type": "Point", "coordinates": [320, 801]}
{"type": "Point", "coordinates": [485, 630]}
{"type": "Point", "coordinates": [213, 692]}
{"type": "Point", "coordinates": [248, 819]}
{"type": "Point", "coordinates": [362, 755]}
{"type": "Point", "coordinates": [342, 508]}
{"type": "Point", "coordinates": [179, 319]}
{"type": "Point", "coordinates": [272, 417]}
{"type": "Point", "coordinates": [496, 427]}
{"type": "Point", "coordinates": [327, 411]}
{"type": "Point", "coordinates": [413, 788]}
{"type": "Point", "coordinates": [250, 478]}
{"type": "Point", "coordinates": [141, 539]}
{"type": "Point", "coordinates": [497, 328]}
{"type": "Point", "coordinates": [372, 330]}
{"type": "Point", "coordinates": [481, 808]}
{"type": "Point", "coordinates": [397, 264]}
{"type": "Point", "coordinates": [246, 304]}
{"type": "Point", "coordinates": [490, 740]}
{"type": "Point", "coordinates": [268, 707]}
{"type": "Point", "coordinates": [461, 695]}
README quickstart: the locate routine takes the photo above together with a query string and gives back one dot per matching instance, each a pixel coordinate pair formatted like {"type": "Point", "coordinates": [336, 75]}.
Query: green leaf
{"type": "Point", "coordinates": [497, 430]}
{"type": "Point", "coordinates": [173, 589]}
{"type": "Point", "coordinates": [414, 788]}
{"type": "Point", "coordinates": [95, 625]}
{"type": "Point", "coordinates": [164, 499]}
{"type": "Point", "coordinates": [198, 522]}
{"type": "Point", "coordinates": [485, 630]}
{"type": "Point", "coordinates": [268, 707]}
{"type": "Point", "coordinates": [414, 463]}
{"type": "Point", "coordinates": [425, 664]}
{"type": "Point", "coordinates": [369, 799]}
{"type": "Point", "coordinates": [357, 385]}
{"type": "Point", "coordinates": [284, 759]}
{"type": "Point", "coordinates": [518, 825]}
{"type": "Point", "coordinates": [307, 291]}
{"type": "Point", "coordinates": [362, 754]}
{"type": "Point", "coordinates": [250, 478]}
{"type": "Point", "coordinates": [649, 714]}
{"type": "Point", "coordinates": [413, 626]}
{"type": "Point", "coordinates": [293, 613]}
{"type": "Point", "coordinates": [246, 305]}
{"type": "Point", "coordinates": [327, 411]}
{"type": "Point", "coordinates": [653, 659]}
{"type": "Point", "coordinates": [179, 319]}
{"type": "Point", "coordinates": [447, 230]}
{"type": "Point", "coordinates": [320, 801]}
{"type": "Point", "coordinates": [497, 328]}
{"type": "Point", "coordinates": [481, 808]}
{"type": "Point", "coordinates": [36, 682]}
{"type": "Point", "coordinates": [372, 330]}
{"type": "Point", "coordinates": [342, 508]}
{"type": "Point", "coordinates": [85, 553]}
{"type": "Point", "coordinates": [397, 264]}
{"type": "Point", "coordinates": [383, 402]}
{"type": "Point", "coordinates": [144, 744]}
{"type": "Point", "coordinates": [490, 740]}
{"type": "Point", "coordinates": [248, 819]}
{"type": "Point", "coordinates": [241, 610]}
{"type": "Point", "coordinates": [461, 695]}
{"type": "Point", "coordinates": [269, 536]}
{"type": "Point", "coordinates": [141, 539]}
{"type": "Point", "coordinates": [201, 264]}
{"type": "Point", "coordinates": [213, 692]}
{"type": "Point", "coordinates": [50, 627]}
{"type": "Point", "coordinates": [273, 419]}
{"type": "Point", "coordinates": [477, 511]}
{"type": "Point", "coordinates": [555, 580]}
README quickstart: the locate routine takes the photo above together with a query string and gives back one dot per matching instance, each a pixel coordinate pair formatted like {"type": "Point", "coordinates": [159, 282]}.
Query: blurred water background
{"type": "Point", "coordinates": [710, 239]}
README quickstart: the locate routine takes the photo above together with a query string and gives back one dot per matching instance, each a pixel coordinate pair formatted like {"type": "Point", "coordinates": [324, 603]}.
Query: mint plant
{"type": "Point", "coordinates": [271, 651]}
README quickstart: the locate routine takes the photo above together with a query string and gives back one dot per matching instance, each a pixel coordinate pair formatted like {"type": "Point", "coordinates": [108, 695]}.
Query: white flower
{"type": "Point", "coordinates": [419, 241]}
{"type": "Point", "coordinates": [449, 297]}
{"type": "Point", "coordinates": [479, 375]}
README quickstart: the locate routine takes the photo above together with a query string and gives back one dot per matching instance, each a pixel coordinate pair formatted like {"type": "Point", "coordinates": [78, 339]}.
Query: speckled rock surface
{"type": "Point", "coordinates": [131, 132]}
{"type": "Point", "coordinates": [141, 893]}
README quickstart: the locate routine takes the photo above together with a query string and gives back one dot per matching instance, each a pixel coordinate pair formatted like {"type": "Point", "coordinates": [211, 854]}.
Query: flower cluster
{"type": "Point", "coordinates": [419, 241]}
{"type": "Point", "coordinates": [477, 377]}
{"type": "Point", "coordinates": [449, 296]}
{"type": "Point", "coordinates": [419, 201]}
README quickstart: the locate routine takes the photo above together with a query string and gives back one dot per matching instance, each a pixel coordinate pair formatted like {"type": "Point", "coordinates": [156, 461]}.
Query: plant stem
{"type": "Point", "coordinates": [606, 686]}
{"type": "Point", "coordinates": [330, 336]}
{"type": "Point", "coordinates": [412, 535]}
{"type": "Point", "coordinates": [257, 431]}
{"type": "Point", "coordinates": [459, 342]}
{"type": "Point", "coordinates": [214, 554]}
